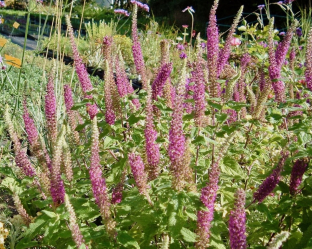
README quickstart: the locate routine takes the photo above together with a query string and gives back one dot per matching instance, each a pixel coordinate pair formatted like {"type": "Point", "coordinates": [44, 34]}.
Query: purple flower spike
{"type": "Point", "coordinates": [81, 71]}
{"type": "Point", "coordinates": [308, 71]}
{"type": "Point", "coordinates": [121, 78]}
{"type": "Point", "coordinates": [57, 185]}
{"type": "Point", "coordinates": [277, 59]}
{"type": "Point", "coordinates": [117, 194]}
{"type": "Point", "coordinates": [208, 198]}
{"type": "Point", "coordinates": [269, 184]}
{"type": "Point", "coordinates": [23, 162]}
{"type": "Point", "coordinates": [50, 110]}
{"type": "Point", "coordinates": [297, 172]}
{"type": "Point", "coordinates": [237, 222]}
{"type": "Point", "coordinates": [30, 127]}
{"type": "Point", "coordinates": [137, 168]}
{"type": "Point", "coordinates": [161, 78]}
{"type": "Point", "coordinates": [97, 181]}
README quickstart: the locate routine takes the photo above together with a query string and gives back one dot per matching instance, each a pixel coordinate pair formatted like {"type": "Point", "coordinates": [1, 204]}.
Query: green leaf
{"type": "Point", "coordinates": [8, 171]}
{"type": "Point", "coordinates": [215, 105]}
{"type": "Point", "coordinates": [199, 140]}
{"type": "Point", "coordinates": [284, 187]}
{"type": "Point", "coordinates": [231, 167]}
{"type": "Point", "coordinates": [188, 117]}
{"type": "Point", "coordinates": [188, 235]}
{"type": "Point", "coordinates": [82, 126]}
{"type": "Point", "coordinates": [49, 213]}
{"type": "Point", "coordinates": [275, 118]}
{"type": "Point", "coordinates": [264, 209]}
{"type": "Point", "coordinates": [126, 240]}
{"type": "Point", "coordinates": [30, 244]}
{"type": "Point", "coordinates": [193, 216]}
{"type": "Point", "coordinates": [12, 185]}
{"type": "Point", "coordinates": [134, 119]}
{"type": "Point", "coordinates": [236, 105]}
{"type": "Point", "coordinates": [80, 104]}
{"type": "Point", "coordinates": [221, 117]}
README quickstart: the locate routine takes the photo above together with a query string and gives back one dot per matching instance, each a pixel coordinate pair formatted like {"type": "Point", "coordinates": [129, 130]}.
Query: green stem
{"type": "Point", "coordinates": [22, 63]}
{"type": "Point", "coordinates": [191, 28]}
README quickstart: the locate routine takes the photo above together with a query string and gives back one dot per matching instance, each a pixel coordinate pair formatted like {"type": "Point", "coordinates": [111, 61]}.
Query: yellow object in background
{"type": "Point", "coordinates": [3, 234]}
{"type": "Point", "coordinates": [1, 20]}
{"type": "Point", "coordinates": [3, 42]}
{"type": "Point", "coordinates": [16, 25]}
{"type": "Point", "coordinates": [15, 62]}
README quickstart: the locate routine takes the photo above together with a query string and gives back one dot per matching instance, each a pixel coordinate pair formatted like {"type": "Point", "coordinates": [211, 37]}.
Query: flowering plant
{"type": "Point", "coordinates": [195, 154]}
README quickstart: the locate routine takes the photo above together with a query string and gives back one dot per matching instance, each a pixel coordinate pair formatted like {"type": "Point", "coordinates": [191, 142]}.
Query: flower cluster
{"type": "Point", "coordinates": [98, 182]}
{"type": "Point", "coordinates": [73, 226]}
{"type": "Point", "coordinates": [109, 112]}
{"type": "Point", "coordinates": [21, 158]}
{"type": "Point", "coordinates": [308, 71]}
{"type": "Point", "coordinates": [69, 103]}
{"type": "Point", "coordinates": [21, 210]}
{"type": "Point", "coordinates": [81, 71]}
{"type": "Point", "coordinates": [237, 222]}
{"type": "Point", "coordinates": [50, 110]}
{"type": "Point", "coordinates": [30, 127]}
{"type": "Point", "coordinates": [2, 4]}
{"type": "Point", "coordinates": [269, 184]}
{"type": "Point", "coordinates": [208, 198]}
{"type": "Point", "coordinates": [57, 185]}
{"type": "Point", "coordinates": [277, 59]}
{"type": "Point", "coordinates": [140, 5]}
{"type": "Point", "coordinates": [122, 12]}
{"type": "Point", "coordinates": [213, 50]}
{"type": "Point", "coordinates": [137, 168]}
{"type": "Point", "coordinates": [297, 172]}
{"type": "Point", "coordinates": [160, 80]}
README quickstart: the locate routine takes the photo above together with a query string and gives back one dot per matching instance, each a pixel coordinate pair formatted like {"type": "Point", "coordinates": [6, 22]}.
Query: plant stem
{"type": "Point", "coordinates": [22, 62]}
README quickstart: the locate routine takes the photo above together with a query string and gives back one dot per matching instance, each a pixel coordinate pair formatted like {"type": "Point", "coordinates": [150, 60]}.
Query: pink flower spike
{"type": "Point", "coordinates": [185, 26]}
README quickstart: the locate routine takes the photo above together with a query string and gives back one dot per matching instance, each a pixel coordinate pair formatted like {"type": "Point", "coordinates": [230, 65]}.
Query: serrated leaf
{"type": "Point", "coordinates": [8, 171]}
{"type": "Point", "coordinates": [126, 240]}
{"type": "Point", "coordinates": [188, 117]}
{"type": "Point", "coordinates": [188, 235]}
{"type": "Point", "coordinates": [215, 105]}
{"type": "Point", "coordinates": [134, 119]}
{"type": "Point", "coordinates": [193, 216]}
{"type": "Point", "coordinates": [221, 117]}
{"type": "Point", "coordinates": [49, 213]}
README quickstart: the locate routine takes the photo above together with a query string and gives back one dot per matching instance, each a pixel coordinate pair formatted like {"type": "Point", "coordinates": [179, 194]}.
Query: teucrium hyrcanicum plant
{"type": "Point", "coordinates": [184, 152]}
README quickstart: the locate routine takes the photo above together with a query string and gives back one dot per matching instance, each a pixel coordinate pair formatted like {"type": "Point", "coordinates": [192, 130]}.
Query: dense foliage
{"type": "Point", "coordinates": [211, 150]}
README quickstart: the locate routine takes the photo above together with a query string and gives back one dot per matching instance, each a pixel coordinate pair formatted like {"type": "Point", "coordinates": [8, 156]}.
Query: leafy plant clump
{"type": "Point", "coordinates": [210, 146]}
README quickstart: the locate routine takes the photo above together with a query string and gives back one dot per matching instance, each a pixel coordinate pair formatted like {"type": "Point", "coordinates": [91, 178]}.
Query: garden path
{"type": "Point", "coordinates": [30, 45]}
